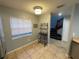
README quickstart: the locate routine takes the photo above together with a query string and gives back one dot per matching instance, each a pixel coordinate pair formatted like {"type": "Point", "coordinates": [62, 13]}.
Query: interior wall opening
{"type": "Point", "coordinates": [56, 26]}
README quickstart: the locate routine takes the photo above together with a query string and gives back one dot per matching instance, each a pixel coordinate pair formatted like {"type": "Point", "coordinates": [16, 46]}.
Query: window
{"type": "Point", "coordinates": [20, 27]}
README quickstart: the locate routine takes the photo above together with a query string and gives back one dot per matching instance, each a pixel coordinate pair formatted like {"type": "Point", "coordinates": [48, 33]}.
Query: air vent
{"type": "Point", "coordinates": [60, 6]}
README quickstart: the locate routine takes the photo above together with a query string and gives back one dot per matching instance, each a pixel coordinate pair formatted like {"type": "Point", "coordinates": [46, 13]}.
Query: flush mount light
{"type": "Point", "coordinates": [38, 10]}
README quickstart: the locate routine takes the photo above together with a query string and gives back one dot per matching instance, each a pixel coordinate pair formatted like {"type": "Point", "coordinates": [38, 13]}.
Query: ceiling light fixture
{"type": "Point", "coordinates": [60, 14]}
{"type": "Point", "coordinates": [38, 10]}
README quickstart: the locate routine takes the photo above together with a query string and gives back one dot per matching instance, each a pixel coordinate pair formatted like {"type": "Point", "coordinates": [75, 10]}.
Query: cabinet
{"type": "Point", "coordinates": [74, 53]}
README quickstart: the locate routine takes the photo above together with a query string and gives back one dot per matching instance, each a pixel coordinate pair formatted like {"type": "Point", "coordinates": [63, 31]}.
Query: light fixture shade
{"type": "Point", "coordinates": [38, 10]}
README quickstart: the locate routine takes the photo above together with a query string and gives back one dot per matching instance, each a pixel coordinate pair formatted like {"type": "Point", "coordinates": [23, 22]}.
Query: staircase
{"type": "Point", "coordinates": [54, 31]}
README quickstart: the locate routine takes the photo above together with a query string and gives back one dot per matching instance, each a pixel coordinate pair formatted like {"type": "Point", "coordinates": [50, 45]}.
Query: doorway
{"type": "Point", "coordinates": [56, 26]}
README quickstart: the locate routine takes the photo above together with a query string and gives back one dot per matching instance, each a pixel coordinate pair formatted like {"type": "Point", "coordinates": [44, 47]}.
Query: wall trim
{"type": "Point", "coordinates": [21, 47]}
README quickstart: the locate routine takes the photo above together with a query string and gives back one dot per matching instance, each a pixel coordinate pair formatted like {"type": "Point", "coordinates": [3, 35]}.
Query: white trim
{"type": "Point", "coordinates": [22, 46]}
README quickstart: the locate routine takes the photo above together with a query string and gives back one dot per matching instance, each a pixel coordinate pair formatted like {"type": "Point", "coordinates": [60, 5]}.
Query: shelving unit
{"type": "Point", "coordinates": [43, 34]}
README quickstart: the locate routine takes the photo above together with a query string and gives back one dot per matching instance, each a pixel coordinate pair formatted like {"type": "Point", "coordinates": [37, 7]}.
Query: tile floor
{"type": "Point", "coordinates": [38, 51]}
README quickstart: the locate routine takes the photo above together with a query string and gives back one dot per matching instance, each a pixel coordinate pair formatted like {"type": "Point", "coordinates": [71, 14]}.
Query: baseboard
{"type": "Point", "coordinates": [22, 47]}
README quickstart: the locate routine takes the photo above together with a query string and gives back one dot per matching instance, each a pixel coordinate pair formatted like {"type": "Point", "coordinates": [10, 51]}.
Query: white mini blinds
{"type": "Point", "coordinates": [20, 27]}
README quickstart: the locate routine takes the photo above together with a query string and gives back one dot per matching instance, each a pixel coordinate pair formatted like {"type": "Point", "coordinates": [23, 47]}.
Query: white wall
{"type": "Point", "coordinates": [73, 26]}
{"type": "Point", "coordinates": [75, 22]}
{"type": "Point", "coordinates": [66, 35]}
{"type": "Point", "coordinates": [66, 27]}
{"type": "Point", "coordinates": [2, 41]}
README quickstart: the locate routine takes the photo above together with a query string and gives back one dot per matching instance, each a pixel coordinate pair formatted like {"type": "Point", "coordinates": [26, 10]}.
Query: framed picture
{"type": "Point", "coordinates": [35, 25]}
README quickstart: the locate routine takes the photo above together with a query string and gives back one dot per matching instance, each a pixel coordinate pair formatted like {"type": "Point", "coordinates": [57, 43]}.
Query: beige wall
{"type": "Point", "coordinates": [6, 13]}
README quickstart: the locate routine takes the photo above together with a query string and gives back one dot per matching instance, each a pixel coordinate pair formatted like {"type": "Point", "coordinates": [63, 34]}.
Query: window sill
{"type": "Point", "coordinates": [21, 36]}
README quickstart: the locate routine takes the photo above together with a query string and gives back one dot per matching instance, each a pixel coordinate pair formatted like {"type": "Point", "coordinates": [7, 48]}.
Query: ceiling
{"type": "Point", "coordinates": [47, 5]}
